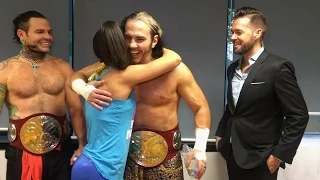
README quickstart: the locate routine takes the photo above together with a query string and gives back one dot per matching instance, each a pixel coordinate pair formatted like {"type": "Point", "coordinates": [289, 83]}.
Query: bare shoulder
{"type": "Point", "coordinates": [4, 65]}
{"type": "Point", "coordinates": [7, 64]}
{"type": "Point", "coordinates": [183, 73]}
{"type": "Point", "coordinates": [8, 67]}
{"type": "Point", "coordinates": [59, 61]}
{"type": "Point", "coordinates": [63, 65]}
{"type": "Point", "coordinates": [182, 68]}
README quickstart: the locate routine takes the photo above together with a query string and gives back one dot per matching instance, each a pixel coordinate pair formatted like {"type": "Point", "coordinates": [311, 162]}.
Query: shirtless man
{"type": "Point", "coordinates": [157, 156]}
{"type": "Point", "coordinates": [34, 87]}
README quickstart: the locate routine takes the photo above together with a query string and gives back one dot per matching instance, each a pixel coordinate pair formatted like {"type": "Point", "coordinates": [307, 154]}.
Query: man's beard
{"type": "Point", "coordinates": [143, 56]}
{"type": "Point", "coordinates": [245, 48]}
{"type": "Point", "coordinates": [32, 52]}
{"type": "Point", "coordinates": [33, 48]}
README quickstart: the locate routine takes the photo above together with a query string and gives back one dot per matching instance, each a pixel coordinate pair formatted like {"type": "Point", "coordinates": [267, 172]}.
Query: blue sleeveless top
{"type": "Point", "coordinates": [109, 133]}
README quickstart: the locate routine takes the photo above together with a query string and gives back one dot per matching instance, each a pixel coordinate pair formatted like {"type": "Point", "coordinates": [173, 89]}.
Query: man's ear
{"type": "Point", "coordinates": [21, 34]}
{"type": "Point", "coordinates": [257, 33]}
{"type": "Point", "coordinates": [155, 41]}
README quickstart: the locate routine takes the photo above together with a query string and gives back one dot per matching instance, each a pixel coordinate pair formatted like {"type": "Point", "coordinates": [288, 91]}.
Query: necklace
{"type": "Point", "coordinates": [34, 64]}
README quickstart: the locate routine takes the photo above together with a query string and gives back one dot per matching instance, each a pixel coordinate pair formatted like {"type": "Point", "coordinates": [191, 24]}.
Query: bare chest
{"type": "Point", "coordinates": [24, 82]}
{"type": "Point", "coordinates": [161, 90]}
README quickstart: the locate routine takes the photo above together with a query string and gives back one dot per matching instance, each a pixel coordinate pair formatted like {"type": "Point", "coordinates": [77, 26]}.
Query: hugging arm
{"type": "Point", "coordinates": [96, 97]}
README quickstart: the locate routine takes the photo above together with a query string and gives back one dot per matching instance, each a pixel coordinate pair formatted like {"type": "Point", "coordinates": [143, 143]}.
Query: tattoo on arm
{"type": "Point", "coordinates": [3, 65]}
{"type": "Point", "coordinates": [13, 109]}
{"type": "Point", "coordinates": [3, 92]}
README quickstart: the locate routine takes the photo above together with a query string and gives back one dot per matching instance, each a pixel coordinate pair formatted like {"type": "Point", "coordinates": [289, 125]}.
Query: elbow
{"type": "Point", "coordinates": [74, 113]}
{"type": "Point", "coordinates": [306, 120]}
{"type": "Point", "coordinates": [304, 116]}
{"type": "Point", "coordinates": [204, 115]}
{"type": "Point", "coordinates": [307, 117]}
{"type": "Point", "coordinates": [178, 59]}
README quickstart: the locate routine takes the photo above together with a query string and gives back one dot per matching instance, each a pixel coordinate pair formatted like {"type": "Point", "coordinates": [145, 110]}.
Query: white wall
{"type": "Point", "coordinates": [3, 165]}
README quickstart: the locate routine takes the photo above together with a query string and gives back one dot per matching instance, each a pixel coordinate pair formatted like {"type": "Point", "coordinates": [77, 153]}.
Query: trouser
{"type": "Point", "coordinates": [171, 169]}
{"type": "Point", "coordinates": [259, 173]}
{"type": "Point", "coordinates": [56, 164]}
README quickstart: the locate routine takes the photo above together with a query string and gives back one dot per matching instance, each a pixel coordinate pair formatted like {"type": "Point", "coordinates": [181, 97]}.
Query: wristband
{"type": "Point", "coordinates": [200, 146]}
{"type": "Point", "coordinates": [80, 87]}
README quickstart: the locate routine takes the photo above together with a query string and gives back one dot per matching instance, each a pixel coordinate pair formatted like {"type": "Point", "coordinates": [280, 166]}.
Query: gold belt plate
{"type": "Point", "coordinates": [40, 134]}
{"type": "Point", "coordinates": [148, 148]}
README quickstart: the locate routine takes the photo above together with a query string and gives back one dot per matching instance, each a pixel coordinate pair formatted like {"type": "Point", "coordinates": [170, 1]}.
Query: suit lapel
{"type": "Point", "coordinates": [230, 74]}
{"type": "Point", "coordinates": [252, 74]}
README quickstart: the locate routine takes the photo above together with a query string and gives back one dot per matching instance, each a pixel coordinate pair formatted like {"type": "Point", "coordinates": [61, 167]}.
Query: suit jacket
{"type": "Point", "coordinates": [270, 116]}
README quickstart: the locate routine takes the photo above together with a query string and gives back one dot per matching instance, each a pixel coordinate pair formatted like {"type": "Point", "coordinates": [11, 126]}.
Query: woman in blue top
{"type": "Point", "coordinates": [109, 129]}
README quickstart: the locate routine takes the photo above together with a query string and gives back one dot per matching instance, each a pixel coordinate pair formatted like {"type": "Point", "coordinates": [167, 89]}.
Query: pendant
{"type": "Point", "coordinates": [34, 66]}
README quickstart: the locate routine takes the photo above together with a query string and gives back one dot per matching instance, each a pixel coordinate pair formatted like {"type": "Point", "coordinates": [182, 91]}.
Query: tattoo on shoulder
{"type": "Point", "coordinates": [3, 65]}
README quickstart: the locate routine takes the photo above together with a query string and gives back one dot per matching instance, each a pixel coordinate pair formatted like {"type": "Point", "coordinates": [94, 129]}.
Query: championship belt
{"type": "Point", "coordinates": [39, 134]}
{"type": "Point", "coordinates": [148, 148]}
{"type": "Point", "coordinates": [12, 132]}
{"type": "Point", "coordinates": [176, 140]}
{"type": "Point", "coordinates": [95, 75]}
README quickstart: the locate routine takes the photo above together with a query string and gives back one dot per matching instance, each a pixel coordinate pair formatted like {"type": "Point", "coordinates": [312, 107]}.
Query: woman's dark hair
{"type": "Point", "coordinates": [110, 47]}
{"type": "Point", "coordinates": [22, 22]}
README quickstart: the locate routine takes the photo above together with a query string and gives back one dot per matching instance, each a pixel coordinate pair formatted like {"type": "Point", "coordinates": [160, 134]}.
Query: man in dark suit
{"type": "Point", "coordinates": [266, 114]}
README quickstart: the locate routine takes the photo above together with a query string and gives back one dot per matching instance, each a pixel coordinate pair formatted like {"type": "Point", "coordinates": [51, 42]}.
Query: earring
{"type": "Point", "coordinates": [22, 41]}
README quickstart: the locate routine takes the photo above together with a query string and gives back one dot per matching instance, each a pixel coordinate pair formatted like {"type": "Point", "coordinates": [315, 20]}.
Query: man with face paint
{"type": "Point", "coordinates": [34, 86]}
{"type": "Point", "coordinates": [252, 135]}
